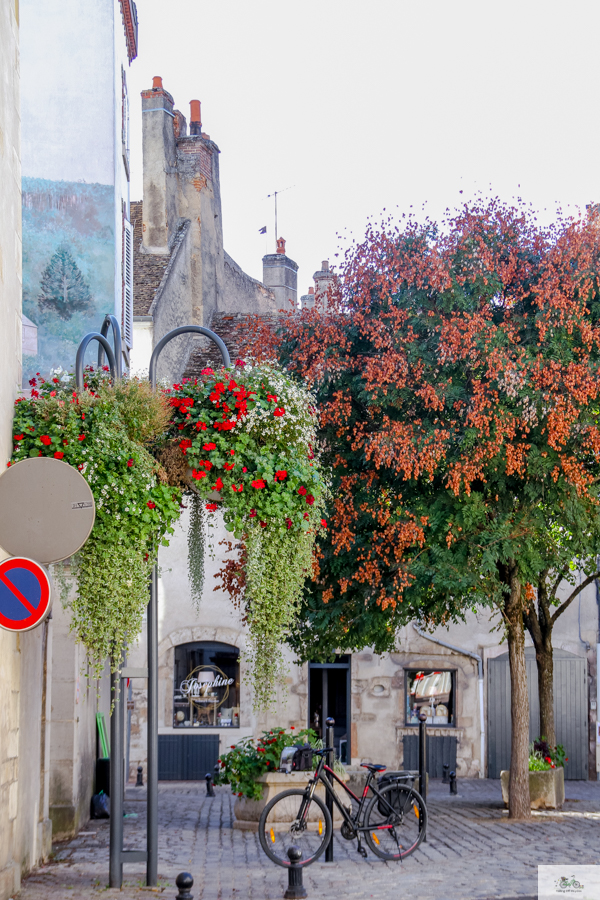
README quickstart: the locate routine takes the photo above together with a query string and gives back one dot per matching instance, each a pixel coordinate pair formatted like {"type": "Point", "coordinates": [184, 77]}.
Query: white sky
{"type": "Point", "coordinates": [365, 106]}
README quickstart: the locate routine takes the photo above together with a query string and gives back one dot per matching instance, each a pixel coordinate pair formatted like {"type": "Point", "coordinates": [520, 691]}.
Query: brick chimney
{"type": "Point", "coordinates": [280, 273]}
{"type": "Point", "coordinates": [323, 278]}
{"type": "Point", "coordinates": [160, 218]}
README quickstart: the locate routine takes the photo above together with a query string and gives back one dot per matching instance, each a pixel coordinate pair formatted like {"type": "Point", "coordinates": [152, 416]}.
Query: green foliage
{"type": "Point", "coordinates": [246, 761]}
{"type": "Point", "coordinates": [95, 431]}
{"type": "Point", "coordinates": [249, 436]}
{"type": "Point", "coordinates": [541, 752]}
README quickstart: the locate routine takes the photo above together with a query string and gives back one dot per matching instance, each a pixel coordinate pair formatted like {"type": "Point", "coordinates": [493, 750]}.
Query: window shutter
{"type": "Point", "coordinates": [127, 284]}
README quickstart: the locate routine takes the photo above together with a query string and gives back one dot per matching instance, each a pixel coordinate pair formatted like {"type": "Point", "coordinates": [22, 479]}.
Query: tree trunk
{"type": "Point", "coordinates": [518, 789]}
{"type": "Point", "coordinates": [540, 626]}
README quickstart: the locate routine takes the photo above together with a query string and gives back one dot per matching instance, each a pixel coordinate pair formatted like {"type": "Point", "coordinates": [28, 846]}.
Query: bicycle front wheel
{"type": "Point", "coordinates": [396, 820]}
{"type": "Point", "coordinates": [291, 818]}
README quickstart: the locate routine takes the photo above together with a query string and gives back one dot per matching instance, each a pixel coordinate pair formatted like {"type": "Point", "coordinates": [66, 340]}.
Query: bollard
{"type": "Point", "coordinates": [423, 756]}
{"type": "Point", "coordinates": [210, 791]}
{"type": "Point", "coordinates": [453, 784]}
{"type": "Point", "coordinates": [295, 888]}
{"type": "Point", "coordinates": [140, 780]}
{"type": "Point", "coordinates": [446, 768]}
{"type": "Point", "coordinates": [184, 882]}
{"type": "Point", "coordinates": [329, 800]}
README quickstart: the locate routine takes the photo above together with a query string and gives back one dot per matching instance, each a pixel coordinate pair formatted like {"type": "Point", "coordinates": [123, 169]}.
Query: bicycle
{"type": "Point", "coordinates": [393, 820]}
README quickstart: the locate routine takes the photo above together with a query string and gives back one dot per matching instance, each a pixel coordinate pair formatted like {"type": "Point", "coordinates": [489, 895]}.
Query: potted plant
{"type": "Point", "coordinates": [546, 776]}
{"type": "Point", "coordinates": [251, 767]}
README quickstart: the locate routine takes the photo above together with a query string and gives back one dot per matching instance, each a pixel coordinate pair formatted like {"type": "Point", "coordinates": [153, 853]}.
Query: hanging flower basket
{"type": "Point", "coordinates": [246, 446]}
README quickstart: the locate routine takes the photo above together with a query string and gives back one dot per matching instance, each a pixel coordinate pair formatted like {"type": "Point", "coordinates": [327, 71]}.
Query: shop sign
{"type": "Point", "coordinates": [206, 686]}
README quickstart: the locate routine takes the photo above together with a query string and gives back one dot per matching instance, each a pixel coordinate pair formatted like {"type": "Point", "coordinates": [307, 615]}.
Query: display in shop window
{"type": "Point", "coordinates": [430, 692]}
{"type": "Point", "coordinates": [206, 686]}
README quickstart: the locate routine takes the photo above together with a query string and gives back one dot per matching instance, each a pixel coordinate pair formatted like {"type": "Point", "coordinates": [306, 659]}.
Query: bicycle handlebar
{"type": "Point", "coordinates": [323, 751]}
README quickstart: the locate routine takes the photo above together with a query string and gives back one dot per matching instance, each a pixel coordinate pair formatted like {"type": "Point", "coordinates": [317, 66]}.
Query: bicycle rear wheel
{"type": "Point", "coordinates": [396, 820]}
{"type": "Point", "coordinates": [291, 818]}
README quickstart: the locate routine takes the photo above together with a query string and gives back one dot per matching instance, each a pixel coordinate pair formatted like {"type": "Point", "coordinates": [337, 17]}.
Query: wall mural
{"type": "Point", "coordinates": [68, 268]}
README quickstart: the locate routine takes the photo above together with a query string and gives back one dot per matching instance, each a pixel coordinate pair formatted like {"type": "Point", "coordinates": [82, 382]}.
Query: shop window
{"type": "Point", "coordinates": [206, 686]}
{"type": "Point", "coordinates": [432, 692]}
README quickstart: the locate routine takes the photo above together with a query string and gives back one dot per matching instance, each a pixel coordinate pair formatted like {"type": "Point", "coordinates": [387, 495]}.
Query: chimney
{"type": "Point", "coordinates": [307, 301]}
{"type": "Point", "coordinates": [195, 119]}
{"type": "Point", "coordinates": [160, 216]}
{"type": "Point", "coordinates": [311, 290]}
{"type": "Point", "coordinates": [280, 273]}
{"type": "Point", "coordinates": [323, 279]}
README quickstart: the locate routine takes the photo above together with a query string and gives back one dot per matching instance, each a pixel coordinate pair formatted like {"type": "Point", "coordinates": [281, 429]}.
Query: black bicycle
{"type": "Point", "coordinates": [393, 820]}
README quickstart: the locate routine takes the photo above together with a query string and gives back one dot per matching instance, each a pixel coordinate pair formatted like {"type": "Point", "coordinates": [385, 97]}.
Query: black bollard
{"type": "Point", "coordinates": [295, 888]}
{"type": "Point", "coordinates": [140, 780]}
{"type": "Point", "coordinates": [210, 791]}
{"type": "Point", "coordinates": [329, 799]}
{"type": "Point", "coordinates": [446, 768]}
{"type": "Point", "coordinates": [423, 755]}
{"type": "Point", "coordinates": [453, 784]}
{"type": "Point", "coordinates": [184, 882]}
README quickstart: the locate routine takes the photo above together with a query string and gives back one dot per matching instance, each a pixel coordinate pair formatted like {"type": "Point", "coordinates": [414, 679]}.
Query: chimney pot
{"type": "Point", "coordinates": [157, 83]}
{"type": "Point", "coordinates": [325, 265]}
{"type": "Point", "coordinates": [311, 290]}
{"type": "Point", "coordinates": [194, 111]}
{"type": "Point", "coordinates": [281, 245]}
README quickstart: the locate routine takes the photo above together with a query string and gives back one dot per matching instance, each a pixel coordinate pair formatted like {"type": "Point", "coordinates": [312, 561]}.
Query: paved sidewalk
{"type": "Point", "coordinates": [473, 852]}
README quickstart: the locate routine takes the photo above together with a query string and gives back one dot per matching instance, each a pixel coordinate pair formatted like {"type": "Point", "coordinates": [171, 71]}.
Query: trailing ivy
{"type": "Point", "coordinates": [248, 437]}
{"type": "Point", "coordinates": [102, 431]}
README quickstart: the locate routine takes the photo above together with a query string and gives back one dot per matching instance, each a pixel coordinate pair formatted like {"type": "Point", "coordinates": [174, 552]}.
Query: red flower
{"type": "Point", "coordinates": [240, 362]}
{"type": "Point", "coordinates": [258, 484]}
{"type": "Point", "coordinates": [310, 499]}
{"type": "Point", "coordinates": [263, 524]}
{"type": "Point", "coordinates": [46, 440]}
{"type": "Point", "coordinates": [252, 513]}
{"type": "Point", "coordinates": [280, 411]}
{"type": "Point", "coordinates": [183, 445]}
{"type": "Point", "coordinates": [59, 454]}
{"type": "Point", "coordinates": [206, 464]}
{"type": "Point", "coordinates": [280, 475]}
{"type": "Point", "coordinates": [212, 506]}
{"type": "Point", "coordinates": [181, 426]}
{"type": "Point", "coordinates": [232, 452]}
{"type": "Point", "coordinates": [55, 380]}
{"type": "Point", "coordinates": [288, 522]}
{"type": "Point", "coordinates": [53, 393]}
{"type": "Point", "coordinates": [302, 491]}
{"type": "Point", "coordinates": [129, 463]}
{"type": "Point", "coordinates": [244, 469]}
{"type": "Point", "coordinates": [291, 728]}
{"type": "Point", "coordinates": [229, 466]}
{"type": "Point", "coordinates": [82, 437]}
{"type": "Point", "coordinates": [198, 475]}
{"type": "Point", "coordinates": [272, 397]}
{"type": "Point", "coordinates": [306, 515]}
{"type": "Point", "coordinates": [218, 485]}
{"type": "Point", "coordinates": [237, 489]}
{"type": "Point", "coordinates": [207, 372]}
{"type": "Point", "coordinates": [19, 437]}
{"type": "Point", "coordinates": [150, 504]}
{"type": "Point", "coordinates": [35, 394]}
{"type": "Point", "coordinates": [210, 446]}
{"type": "Point", "coordinates": [323, 523]}
{"type": "Point", "coordinates": [200, 426]}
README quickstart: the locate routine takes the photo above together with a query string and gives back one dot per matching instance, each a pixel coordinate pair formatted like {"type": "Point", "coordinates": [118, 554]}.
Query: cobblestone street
{"type": "Point", "coordinates": [472, 851]}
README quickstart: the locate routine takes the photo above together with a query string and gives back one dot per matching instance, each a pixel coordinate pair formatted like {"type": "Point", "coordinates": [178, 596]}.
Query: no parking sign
{"type": "Point", "coordinates": [24, 594]}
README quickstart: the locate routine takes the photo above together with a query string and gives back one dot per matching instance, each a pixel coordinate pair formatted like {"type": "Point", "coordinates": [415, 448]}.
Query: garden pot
{"type": "Point", "coordinates": [248, 812]}
{"type": "Point", "coordinates": [546, 789]}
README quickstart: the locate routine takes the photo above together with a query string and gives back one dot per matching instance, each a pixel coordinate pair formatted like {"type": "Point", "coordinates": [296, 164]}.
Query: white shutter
{"type": "Point", "coordinates": [128, 284]}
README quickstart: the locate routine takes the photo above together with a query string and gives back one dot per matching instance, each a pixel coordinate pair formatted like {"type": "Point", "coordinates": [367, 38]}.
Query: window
{"type": "Point", "coordinates": [206, 686]}
{"type": "Point", "coordinates": [432, 692]}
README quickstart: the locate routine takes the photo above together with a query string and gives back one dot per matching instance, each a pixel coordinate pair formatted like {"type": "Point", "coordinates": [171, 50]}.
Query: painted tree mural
{"type": "Point", "coordinates": [457, 374]}
{"type": "Point", "coordinates": [63, 289]}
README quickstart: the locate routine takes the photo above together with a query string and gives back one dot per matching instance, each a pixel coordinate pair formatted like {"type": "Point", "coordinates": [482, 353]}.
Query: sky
{"type": "Point", "coordinates": [351, 109]}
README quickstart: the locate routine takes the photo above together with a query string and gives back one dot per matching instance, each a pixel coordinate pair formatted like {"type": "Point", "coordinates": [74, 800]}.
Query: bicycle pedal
{"type": "Point", "coordinates": [362, 852]}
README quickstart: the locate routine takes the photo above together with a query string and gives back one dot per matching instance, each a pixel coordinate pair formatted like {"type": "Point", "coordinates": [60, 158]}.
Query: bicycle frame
{"type": "Point", "coordinates": [352, 821]}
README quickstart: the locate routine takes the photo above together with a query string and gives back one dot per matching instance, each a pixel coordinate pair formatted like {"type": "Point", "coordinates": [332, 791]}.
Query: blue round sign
{"type": "Point", "coordinates": [24, 594]}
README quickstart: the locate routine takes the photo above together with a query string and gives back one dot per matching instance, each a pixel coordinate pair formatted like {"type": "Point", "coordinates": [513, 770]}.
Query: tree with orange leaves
{"type": "Point", "coordinates": [456, 370]}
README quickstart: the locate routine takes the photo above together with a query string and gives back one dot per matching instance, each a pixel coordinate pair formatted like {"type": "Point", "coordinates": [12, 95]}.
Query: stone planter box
{"type": "Point", "coordinates": [546, 789]}
{"type": "Point", "coordinates": [248, 812]}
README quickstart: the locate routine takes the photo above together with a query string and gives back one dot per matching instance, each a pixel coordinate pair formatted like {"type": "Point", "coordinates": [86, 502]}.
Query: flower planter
{"type": "Point", "coordinates": [546, 789]}
{"type": "Point", "coordinates": [248, 812]}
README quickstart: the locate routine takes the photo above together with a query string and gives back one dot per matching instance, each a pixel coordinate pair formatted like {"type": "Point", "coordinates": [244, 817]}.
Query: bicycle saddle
{"type": "Point", "coordinates": [373, 767]}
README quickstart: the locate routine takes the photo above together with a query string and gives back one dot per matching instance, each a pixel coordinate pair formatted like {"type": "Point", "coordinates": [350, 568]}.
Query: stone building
{"type": "Point", "coordinates": [458, 675]}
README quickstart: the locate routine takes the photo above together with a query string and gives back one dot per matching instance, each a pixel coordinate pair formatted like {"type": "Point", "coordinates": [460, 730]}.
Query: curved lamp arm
{"type": "Point", "coordinates": [185, 329]}
{"type": "Point", "coordinates": [112, 321]}
{"type": "Point", "coordinates": [93, 336]}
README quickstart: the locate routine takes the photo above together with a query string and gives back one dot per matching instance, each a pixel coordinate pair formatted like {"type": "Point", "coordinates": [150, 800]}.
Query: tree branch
{"type": "Point", "coordinates": [574, 593]}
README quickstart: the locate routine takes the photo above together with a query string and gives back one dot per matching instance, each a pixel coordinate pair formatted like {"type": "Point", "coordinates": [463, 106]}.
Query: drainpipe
{"type": "Point", "coordinates": [479, 681]}
{"type": "Point", "coordinates": [598, 681]}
